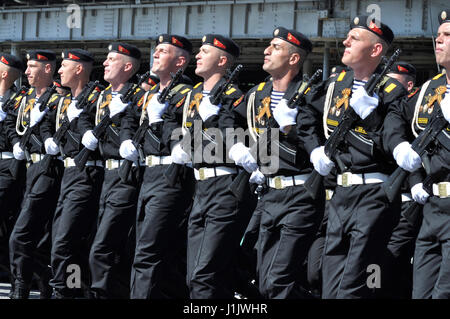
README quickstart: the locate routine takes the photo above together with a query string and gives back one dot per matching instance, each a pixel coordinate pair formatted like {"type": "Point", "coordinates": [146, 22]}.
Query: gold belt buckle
{"type": "Point", "coordinates": [346, 179]}
{"type": "Point", "coordinates": [201, 173]}
{"type": "Point", "coordinates": [109, 164]}
{"type": "Point", "coordinates": [442, 188]}
{"type": "Point", "coordinates": [33, 157]}
{"type": "Point", "coordinates": [149, 160]}
{"type": "Point", "coordinates": [278, 182]}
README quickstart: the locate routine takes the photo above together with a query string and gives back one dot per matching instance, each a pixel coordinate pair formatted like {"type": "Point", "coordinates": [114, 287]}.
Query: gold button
{"type": "Point", "coordinates": [278, 182]}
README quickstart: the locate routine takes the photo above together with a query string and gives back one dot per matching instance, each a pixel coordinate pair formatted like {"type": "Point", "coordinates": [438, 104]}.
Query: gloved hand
{"type": "Point", "coordinates": [284, 115]}
{"type": "Point", "coordinates": [445, 107]}
{"type": "Point", "coordinates": [179, 156]}
{"type": "Point", "coordinates": [406, 157]}
{"type": "Point", "coordinates": [36, 115]}
{"type": "Point", "coordinates": [18, 152]}
{"type": "Point", "coordinates": [206, 109]}
{"type": "Point", "coordinates": [257, 177]}
{"type": "Point", "coordinates": [128, 151]}
{"type": "Point", "coordinates": [89, 140]}
{"type": "Point", "coordinates": [419, 194]}
{"type": "Point", "coordinates": [50, 146]}
{"type": "Point", "coordinates": [3, 114]}
{"type": "Point", "coordinates": [362, 103]}
{"type": "Point", "coordinates": [72, 111]}
{"type": "Point", "coordinates": [155, 109]}
{"type": "Point", "coordinates": [241, 155]}
{"type": "Point", "coordinates": [116, 106]}
{"type": "Point", "coordinates": [322, 164]}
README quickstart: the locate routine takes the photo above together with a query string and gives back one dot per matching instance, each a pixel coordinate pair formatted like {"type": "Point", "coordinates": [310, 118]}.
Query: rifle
{"type": "Point", "coordinates": [99, 130]}
{"type": "Point", "coordinates": [138, 138]}
{"type": "Point", "coordinates": [14, 167]}
{"type": "Point", "coordinates": [15, 97]}
{"type": "Point", "coordinates": [420, 145]}
{"type": "Point", "coordinates": [239, 184]}
{"type": "Point", "coordinates": [312, 184]}
{"type": "Point", "coordinates": [61, 132]}
{"type": "Point", "coordinates": [174, 170]}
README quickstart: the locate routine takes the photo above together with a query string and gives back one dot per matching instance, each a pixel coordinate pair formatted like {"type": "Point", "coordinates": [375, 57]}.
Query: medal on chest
{"type": "Point", "coordinates": [193, 106]}
{"type": "Point", "coordinates": [263, 111]}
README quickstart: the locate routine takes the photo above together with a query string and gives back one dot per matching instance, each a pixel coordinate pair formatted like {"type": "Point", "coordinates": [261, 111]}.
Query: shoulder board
{"type": "Point", "coordinates": [180, 102]}
{"type": "Point", "coordinates": [413, 93]}
{"type": "Point", "coordinates": [230, 91]}
{"type": "Point", "coordinates": [197, 85]}
{"type": "Point", "coordinates": [30, 91]}
{"type": "Point", "coordinates": [153, 87]}
{"type": "Point", "coordinates": [108, 87]}
{"type": "Point", "coordinates": [53, 98]}
{"type": "Point", "coordinates": [261, 86]}
{"type": "Point", "coordinates": [136, 91]}
{"type": "Point", "coordinates": [178, 87]}
{"type": "Point", "coordinates": [69, 95]}
{"type": "Point", "coordinates": [238, 101]}
{"type": "Point", "coordinates": [185, 91]}
{"type": "Point", "coordinates": [307, 90]}
{"type": "Point", "coordinates": [91, 96]}
{"type": "Point", "coordinates": [438, 76]}
{"type": "Point", "coordinates": [390, 87]}
{"type": "Point", "coordinates": [341, 76]}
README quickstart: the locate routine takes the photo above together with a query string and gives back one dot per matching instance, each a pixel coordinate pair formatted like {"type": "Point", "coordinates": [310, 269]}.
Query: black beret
{"type": "Point", "coordinates": [176, 40]}
{"type": "Point", "coordinates": [403, 68]}
{"type": "Point", "coordinates": [41, 55]}
{"type": "Point", "coordinates": [11, 61]}
{"type": "Point", "coordinates": [444, 16]}
{"type": "Point", "coordinates": [78, 55]}
{"type": "Point", "coordinates": [295, 38]}
{"type": "Point", "coordinates": [222, 43]}
{"type": "Point", "coordinates": [376, 27]}
{"type": "Point", "coordinates": [125, 49]}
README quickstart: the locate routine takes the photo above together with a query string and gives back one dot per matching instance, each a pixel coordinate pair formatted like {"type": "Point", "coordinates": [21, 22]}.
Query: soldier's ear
{"type": "Point", "coordinates": [181, 61]}
{"type": "Point", "coordinates": [294, 58]}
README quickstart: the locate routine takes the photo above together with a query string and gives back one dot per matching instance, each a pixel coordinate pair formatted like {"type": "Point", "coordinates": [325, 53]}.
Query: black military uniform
{"type": "Point", "coordinates": [10, 189]}
{"type": "Point", "coordinates": [80, 189]}
{"type": "Point", "coordinates": [289, 217]}
{"type": "Point", "coordinates": [405, 121]}
{"type": "Point", "coordinates": [110, 259]}
{"type": "Point", "coordinates": [159, 268]}
{"type": "Point", "coordinates": [41, 193]}
{"type": "Point", "coordinates": [360, 218]}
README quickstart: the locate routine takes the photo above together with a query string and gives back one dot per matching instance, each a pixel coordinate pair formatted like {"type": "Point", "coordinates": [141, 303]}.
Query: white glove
{"type": "Point", "coordinates": [284, 115]}
{"type": "Point", "coordinates": [89, 140]}
{"type": "Point", "coordinates": [116, 106]}
{"type": "Point", "coordinates": [36, 115]}
{"type": "Point", "coordinates": [406, 157]}
{"type": "Point", "coordinates": [445, 107]}
{"type": "Point", "coordinates": [362, 103]}
{"type": "Point", "coordinates": [72, 111]}
{"type": "Point", "coordinates": [155, 109]}
{"type": "Point", "coordinates": [18, 152]}
{"type": "Point", "coordinates": [128, 151]}
{"type": "Point", "coordinates": [50, 146]}
{"type": "Point", "coordinates": [206, 109]}
{"type": "Point", "coordinates": [257, 177]}
{"type": "Point", "coordinates": [179, 156]}
{"type": "Point", "coordinates": [2, 113]}
{"type": "Point", "coordinates": [419, 194]}
{"type": "Point", "coordinates": [241, 155]}
{"type": "Point", "coordinates": [322, 164]}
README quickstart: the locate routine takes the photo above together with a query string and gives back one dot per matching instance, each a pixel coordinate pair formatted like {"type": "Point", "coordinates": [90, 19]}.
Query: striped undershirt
{"type": "Point", "coordinates": [275, 98]}
{"type": "Point", "coordinates": [357, 84]}
{"type": "Point", "coordinates": [448, 89]}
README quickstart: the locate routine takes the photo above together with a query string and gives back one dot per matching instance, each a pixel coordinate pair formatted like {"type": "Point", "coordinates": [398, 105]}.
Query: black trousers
{"type": "Point", "coordinates": [290, 219]}
{"type": "Point", "coordinates": [360, 223]}
{"type": "Point", "coordinates": [110, 259]}
{"type": "Point", "coordinates": [159, 267]}
{"type": "Point", "coordinates": [74, 222]}
{"type": "Point", "coordinates": [32, 225]}
{"type": "Point", "coordinates": [397, 276]}
{"type": "Point", "coordinates": [216, 226]}
{"type": "Point", "coordinates": [431, 273]}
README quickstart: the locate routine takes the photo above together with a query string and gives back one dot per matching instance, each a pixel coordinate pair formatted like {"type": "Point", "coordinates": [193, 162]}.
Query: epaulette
{"type": "Point", "coordinates": [438, 76]}
{"type": "Point", "coordinates": [261, 86]}
{"type": "Point", "coordinates": [153, 87]}
{"type": "Point", "coordinates": [230, 91]}
{"type": "Point", "coordinates": [137, 91]}
{"type": "Point", "coordinates": [197, 85]}
{"type": "Point", "coordinates": [69, 95]}
{"type": "Point", "coordinates": [341, 76]}
{"type": "Point", "coordinates": [413, 93]}
{"type": "Point", "coordinates": [108, 87]}
{"type": "Point", "coordinates": [390, 87]}
{"type": "Point", "coordinates": [30, 91]}
{"type": "Point", "coordinates": [53, 98]}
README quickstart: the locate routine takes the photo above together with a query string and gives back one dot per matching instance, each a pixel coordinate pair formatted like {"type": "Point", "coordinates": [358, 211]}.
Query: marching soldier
{"type": "Point", "coordinates": [158, 270]}
{"type": "Point", "coordinates": [80, 190]}
{"type": "Point", "coordinates": [404, 123]}
{"type": "Point", "coordinates": [41, 193]}
{"type": "Point", "coordinates": [10, 188]}
{"type": "Point", "coordinates": [110, 278]}
{"type": "Point", "coordinates": [360, 218]}
{"type": "Point", "coordinates": [286, 227]}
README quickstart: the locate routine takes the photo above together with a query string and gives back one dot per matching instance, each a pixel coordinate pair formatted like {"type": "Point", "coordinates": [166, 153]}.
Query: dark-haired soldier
{"type": "Point", "coordinates": [27, 253]}
{"type": "Point", "coordinates": [159, 268]}
{"type": "Point", "coordinates": [78, 199]}
{"type": "Point", "coordinates": [360, 217]}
